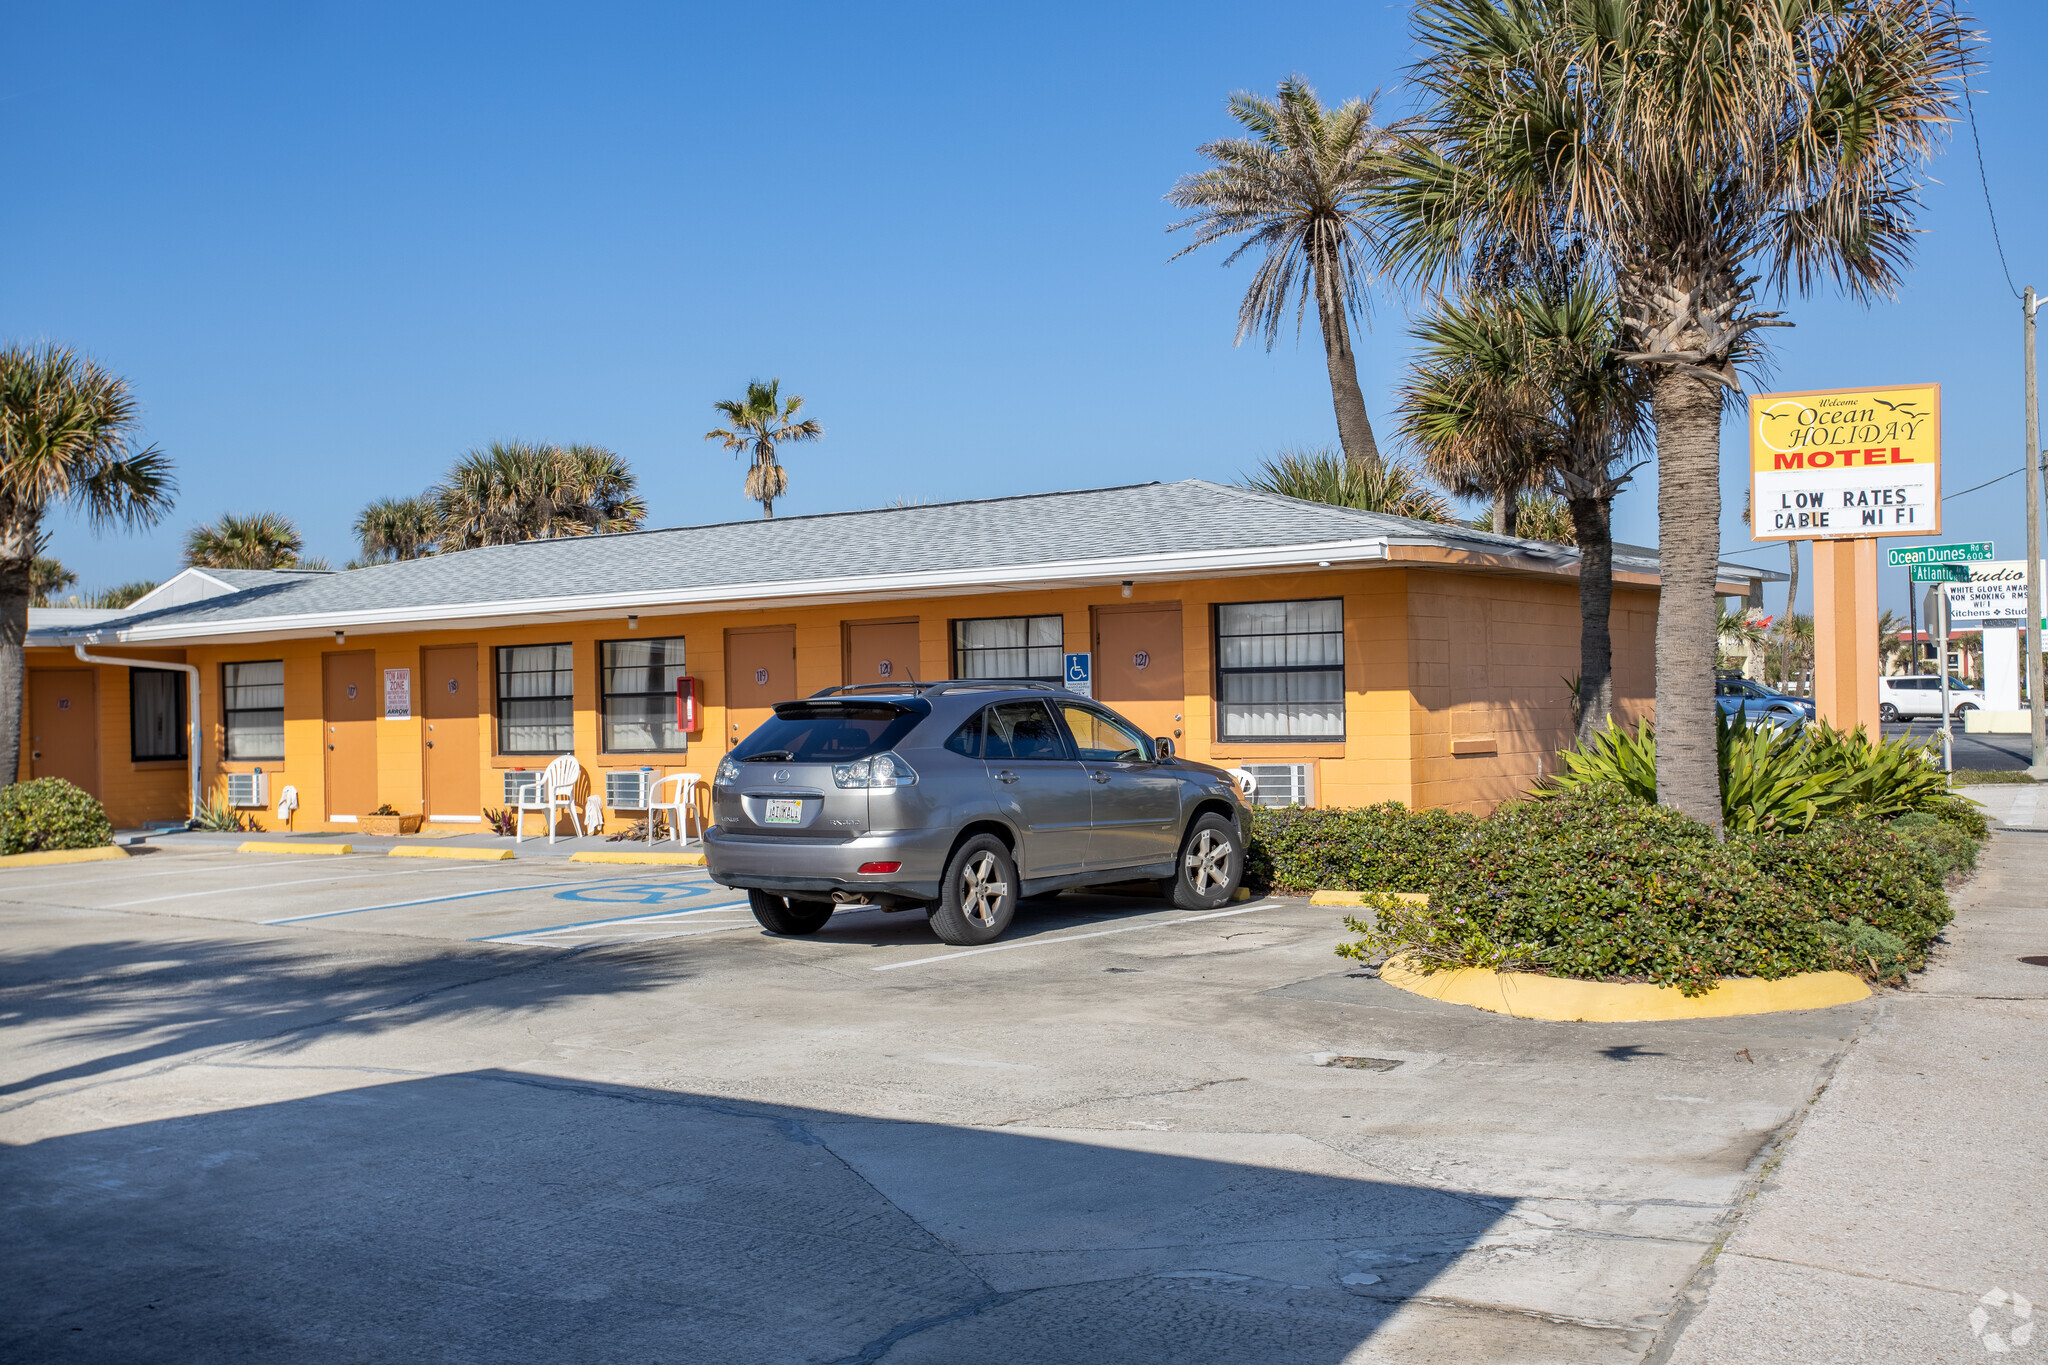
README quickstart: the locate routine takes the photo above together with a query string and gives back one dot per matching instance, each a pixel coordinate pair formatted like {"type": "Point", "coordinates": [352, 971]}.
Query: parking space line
{"type": "Point", "coordinates": [131, 877]}
{"type": "Point", "coordinates": [622, 919]}
{"type": "Point", "coordinates": [1070, 938]}
{"type": "Point", "coordinates": [458, 896]}
{"type": "Point", "coordinates": [387, 871]}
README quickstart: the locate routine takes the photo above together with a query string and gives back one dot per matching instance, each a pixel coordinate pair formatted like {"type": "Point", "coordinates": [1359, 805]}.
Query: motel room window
{"type": "Point", "coordinates": [536, 699]}
{"type": "Point", "coordinates": [639, 699]}
{"type": "Point", "coordinates": [1280, 668]}
{"type": "Point", "coordinates": [252, 704]}
{"type": "Point", "coordinates": [1025, 647]}
{"type": "Point", "coordinates": [156, 714]}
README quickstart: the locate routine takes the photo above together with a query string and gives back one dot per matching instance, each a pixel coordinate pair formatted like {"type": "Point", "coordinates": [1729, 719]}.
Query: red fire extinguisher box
{"type": "Point", "coordinates": [689, 714]}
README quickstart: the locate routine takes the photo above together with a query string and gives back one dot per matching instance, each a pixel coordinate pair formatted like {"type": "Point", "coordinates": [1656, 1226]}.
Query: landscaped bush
{"type": "Point", "coordinates": [1378, 848]}
{"type": "Point", "coordinates": [1861, 872]}
{"type": "Point", "coordinates": [50, 813]}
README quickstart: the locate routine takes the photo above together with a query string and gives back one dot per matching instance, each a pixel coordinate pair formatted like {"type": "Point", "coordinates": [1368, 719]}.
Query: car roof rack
{"type": "Point", "coordinates": [932, 689]}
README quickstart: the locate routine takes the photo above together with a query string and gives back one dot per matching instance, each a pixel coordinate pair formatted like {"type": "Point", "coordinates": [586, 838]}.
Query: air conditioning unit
{"type": "Point", "coordinates": [628, 788]}
{"type": "Point", "coordinates": [529, 780]}
{"type": "Point", "coordinates": [248, 789]}
{"type": "Point", "coordinates": [1283, 784]}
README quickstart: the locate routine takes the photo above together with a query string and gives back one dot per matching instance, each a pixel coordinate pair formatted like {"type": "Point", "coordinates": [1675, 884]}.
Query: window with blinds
{"type": "Point", "coordinates": [536, 699]}
{"type": "Point", "coordinates": [639, 696]}
{"type": "Point", "coordinates": [252, 709]}
{"type": "Point", "coordinates": [1280, 670]}
{"type": "Point", "coordinates": [1028, 648]}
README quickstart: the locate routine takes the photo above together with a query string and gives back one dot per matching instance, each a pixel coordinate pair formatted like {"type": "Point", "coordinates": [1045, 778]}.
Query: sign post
{"type": "Point", "coordinates": [1842, 467]}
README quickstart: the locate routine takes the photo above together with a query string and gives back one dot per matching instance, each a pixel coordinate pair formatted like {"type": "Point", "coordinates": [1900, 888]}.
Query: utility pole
{"type": "Point", "coordinates": [2037, 705]}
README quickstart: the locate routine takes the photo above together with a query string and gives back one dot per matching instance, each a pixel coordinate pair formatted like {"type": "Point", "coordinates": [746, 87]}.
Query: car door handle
{"type": "Point", "coordinates": [1099, 776]}
{"type": "Point", "coordinates": [1006, 776]}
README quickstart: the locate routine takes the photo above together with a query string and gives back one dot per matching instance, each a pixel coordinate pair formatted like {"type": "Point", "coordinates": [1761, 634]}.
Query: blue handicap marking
{"type": "Point", "coordinates": [1077, 668]}
{"type": "Point", "coordinates": [636, 893]}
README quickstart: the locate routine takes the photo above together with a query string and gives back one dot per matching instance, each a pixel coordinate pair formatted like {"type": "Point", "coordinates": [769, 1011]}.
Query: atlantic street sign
{"type": "Point", "coordinates": [1938, 554]}
{"type": "Point", "coordinates": [1941, 573]}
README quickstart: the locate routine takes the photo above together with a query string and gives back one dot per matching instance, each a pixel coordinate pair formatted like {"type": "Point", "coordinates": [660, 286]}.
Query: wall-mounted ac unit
{"type": "Point", "coordinates": [248, 789]}
{"type": "Point", "coordinates": [1283, 784]}
{"type": "Point", "coordinates": [530, 780]}
{"type": "Point", "coordinates": [628, 788]}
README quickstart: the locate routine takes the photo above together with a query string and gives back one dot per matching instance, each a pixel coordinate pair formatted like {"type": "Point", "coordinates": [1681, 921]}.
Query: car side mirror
{"type": "Point", "coordinates": [1162, 748]}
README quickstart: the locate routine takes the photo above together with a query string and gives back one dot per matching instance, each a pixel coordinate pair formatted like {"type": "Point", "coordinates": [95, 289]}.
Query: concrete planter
{"type": "Point", "coordinates": [1529, 996]}
{"type": "Point", "coordinates": [389, 824]}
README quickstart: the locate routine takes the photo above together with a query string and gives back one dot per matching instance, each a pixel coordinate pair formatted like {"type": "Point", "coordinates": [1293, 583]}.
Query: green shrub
{"type": "Point", "coordinates": [50, 813]}
{"type": "Point", "coordinates": [1867, 951]}
{"type": "Point", "coordinates": [1949, 844]}
{"type": "Point", "coordinates": [1858, 870]}
{"type": "Point", "coordinates": [1377, 848]}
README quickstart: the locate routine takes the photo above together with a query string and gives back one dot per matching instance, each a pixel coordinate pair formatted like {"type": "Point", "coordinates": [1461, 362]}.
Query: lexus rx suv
{"type": "Point", "coordinates": [960, 799]}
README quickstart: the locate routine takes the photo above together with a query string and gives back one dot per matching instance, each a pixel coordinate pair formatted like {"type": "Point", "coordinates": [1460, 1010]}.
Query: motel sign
{"type": "Point", "coordinates": [1845, 464]}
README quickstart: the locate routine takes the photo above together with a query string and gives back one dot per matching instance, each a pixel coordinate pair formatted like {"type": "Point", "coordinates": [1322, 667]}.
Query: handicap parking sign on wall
{"type": "Point", "coordinates": [1079, 675]}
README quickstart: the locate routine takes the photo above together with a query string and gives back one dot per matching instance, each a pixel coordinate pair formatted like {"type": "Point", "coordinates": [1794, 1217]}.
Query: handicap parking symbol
{"type": "Point", "coordinates": [634, 893]}
{"type": "Point", "coordinates": [1078, 675]}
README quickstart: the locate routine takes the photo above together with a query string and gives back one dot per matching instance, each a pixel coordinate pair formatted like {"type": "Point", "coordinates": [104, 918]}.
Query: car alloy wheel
{"type": "Point", "coordinates": [982, 889]}
{"type": "Point", "coordinates": [977, 893]}
{"type": "Point", "coordinates": [1211, 861]}
{"type": "Point", "coordinates": [1887, 713]}
{"type": "Point", "coordinates": [1207, 863]}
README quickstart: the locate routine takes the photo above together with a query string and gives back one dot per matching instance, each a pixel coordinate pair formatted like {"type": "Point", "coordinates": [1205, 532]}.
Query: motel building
{"type": "Point", "coordinates": [1343, 657]}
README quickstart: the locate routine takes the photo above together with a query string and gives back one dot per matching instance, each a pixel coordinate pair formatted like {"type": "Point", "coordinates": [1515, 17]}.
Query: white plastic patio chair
{"type": "Point", "coordinates": [681, 807]}
{"type": "Point", "coordinates": [556, 790]}
{"type": "Point", "coordinates": [1246, 783]}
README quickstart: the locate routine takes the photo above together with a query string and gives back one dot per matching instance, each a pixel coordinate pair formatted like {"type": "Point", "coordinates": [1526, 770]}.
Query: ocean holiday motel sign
{"type": "Point", "coordinates": [1842, 464]}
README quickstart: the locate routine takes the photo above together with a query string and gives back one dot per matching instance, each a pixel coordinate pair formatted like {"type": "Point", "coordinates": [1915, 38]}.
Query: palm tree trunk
{"type": "Point", "coordinates": [1592, 528]}
{"type": "Point", "coordinates": [1688, 416]}
{"type": "Point", "coordinates": [14, 594]}
{"type": "Point", "coordinates": [1354, 429]}
{"type": "Point", "coordinates": [1504, 519]}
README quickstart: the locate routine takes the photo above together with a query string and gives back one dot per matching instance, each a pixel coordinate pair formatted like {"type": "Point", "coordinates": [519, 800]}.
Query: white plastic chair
{"type": "Point", "coordinates": [556, 790]}
{"type": "Point", "coordinates": [681, 808]}
{"type": "Point", "coordinates": [1246, 783]}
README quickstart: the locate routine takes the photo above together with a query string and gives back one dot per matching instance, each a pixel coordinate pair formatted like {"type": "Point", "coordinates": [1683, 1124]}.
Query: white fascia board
{"type": "Point", "coordinates": [1180, 564]}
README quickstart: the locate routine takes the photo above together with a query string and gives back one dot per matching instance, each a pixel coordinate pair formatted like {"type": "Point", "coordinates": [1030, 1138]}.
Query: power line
{"type": "Point", "coordinates": [1986, 484]}
{"type": "Point", "coordinates": [1985, 181]}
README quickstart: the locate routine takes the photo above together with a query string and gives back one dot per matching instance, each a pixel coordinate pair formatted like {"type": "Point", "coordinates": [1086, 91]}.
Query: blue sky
{"type": "Point", "coordinates": [336, 247]}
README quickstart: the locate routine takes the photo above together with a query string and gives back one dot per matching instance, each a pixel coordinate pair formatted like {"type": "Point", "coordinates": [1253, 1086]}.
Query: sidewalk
{"type": "Point", "coordinates": [1913, 1188]}
{"type": "Point", "coordinates": [535, 845]}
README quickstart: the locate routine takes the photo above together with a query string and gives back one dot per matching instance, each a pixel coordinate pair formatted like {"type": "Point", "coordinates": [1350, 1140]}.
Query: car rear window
{"type": "Point", "coordinates": [830, 732]}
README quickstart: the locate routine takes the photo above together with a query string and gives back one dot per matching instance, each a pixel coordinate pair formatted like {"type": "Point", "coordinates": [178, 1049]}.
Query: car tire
{"type": "Point", "coordinates": [978, 895]}
{"type": "Point", "coordinates": [1966, 708]}
{"type": "Point", "coordinates": [1887, 713]}
{"type": "Point", "coordinates": [779, 915]}
{"type": "Point", "coordinates": [1209, 867]}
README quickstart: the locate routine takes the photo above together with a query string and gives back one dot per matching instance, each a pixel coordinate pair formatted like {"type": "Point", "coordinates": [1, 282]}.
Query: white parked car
{"type": "Point", "coordinates": [1904, 698]}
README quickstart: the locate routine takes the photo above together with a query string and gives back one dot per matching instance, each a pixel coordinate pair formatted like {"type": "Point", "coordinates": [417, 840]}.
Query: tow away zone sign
{"type": "Point", "coordinates": [1845, 464]}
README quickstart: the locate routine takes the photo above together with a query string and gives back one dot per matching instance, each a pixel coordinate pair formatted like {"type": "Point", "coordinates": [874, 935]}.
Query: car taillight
{"type": "Point", "coordinates": [883, 770]}
{"type": "Point", "coordinates": [880, 867]}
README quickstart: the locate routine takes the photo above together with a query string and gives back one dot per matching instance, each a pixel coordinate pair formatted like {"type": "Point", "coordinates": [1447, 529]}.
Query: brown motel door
{"type": "Point", "coordinates": [760, 670]}
{"type": "Point", "coordinates": [881, 651]}
{"type": "Point", "coordinates": [63, 741]}
{"type": "Point", "coordinates": [1137, 666]}
{"type": "Point", "coordinates": [349, 712]}
{"type": "Point", "coordinates": [448, 706]}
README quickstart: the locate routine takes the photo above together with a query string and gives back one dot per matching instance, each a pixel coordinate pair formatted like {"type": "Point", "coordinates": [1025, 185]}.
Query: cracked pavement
{"type": "Point", "coordinates": [371, 1136]}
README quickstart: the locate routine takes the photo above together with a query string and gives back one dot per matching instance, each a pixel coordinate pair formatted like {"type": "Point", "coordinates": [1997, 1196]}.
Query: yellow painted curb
{"type": "Point", "coordinates": [676, 859]}
{"type": "Point", "coordinates": [474, 855]}
{"type": "Point", "coordinates": [47, 856]}
{"type": "Point", "coordinates": [1526, 995]}
{"type": "Point", "coordinates": [258, 846]}
{"type": "Point", "coordinates": [1358, 897]}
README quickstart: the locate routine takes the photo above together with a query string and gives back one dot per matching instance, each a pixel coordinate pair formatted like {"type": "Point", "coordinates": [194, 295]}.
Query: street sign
{"type": "Point", "coordinates": [1845, 464]}
{"type": "Point", "coordinates": [1938, 554]}
{"type": "Point", "coordinates": [1080, 674]}
{"type": "Point", "coordinates": [1941, 573]}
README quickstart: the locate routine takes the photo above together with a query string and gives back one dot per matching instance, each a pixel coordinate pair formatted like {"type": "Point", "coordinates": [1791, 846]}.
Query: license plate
{"type": "Point", "coordinates": [784, 811]}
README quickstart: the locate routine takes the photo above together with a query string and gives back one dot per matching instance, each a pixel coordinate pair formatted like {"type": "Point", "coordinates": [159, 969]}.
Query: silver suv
{"type": "Point", "coordinates": [960, 799]}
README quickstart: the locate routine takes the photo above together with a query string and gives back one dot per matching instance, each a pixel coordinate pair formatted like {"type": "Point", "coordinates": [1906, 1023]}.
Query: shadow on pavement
{"type": "Point", "coordinates": [168, 999]}
{"type": "Point", "coordinates": [500, 1215]}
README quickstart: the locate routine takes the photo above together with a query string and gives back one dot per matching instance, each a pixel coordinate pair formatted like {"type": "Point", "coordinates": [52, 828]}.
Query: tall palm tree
{"type": "Point", "coordinates": [47, 578]}
{"type": "Point", "coordinates": [261, 540]}
{"type": "Point", "coordinates": [1711, 153]}
{"type": "Point", "coordinates": [1524, 388]}
{"type": "Point", "coordinates": [1322, 475]}
{"type": "Point", "coordinates": [398, 528]}
{"type": "Point", "coordinates": [1296, 192]}
{"type": "Point", "coordinates": [512, 491]}
{"type": "Point", "coordinates": [760, 422]}
{"type": "Point", "coordinates": [67, 435]}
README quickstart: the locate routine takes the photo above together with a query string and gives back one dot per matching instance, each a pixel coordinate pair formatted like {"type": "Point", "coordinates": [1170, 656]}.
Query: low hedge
{"type": "Point", "coordinates": [50, 813]}
{"type": "Point", "coordinates": [1596, 886]}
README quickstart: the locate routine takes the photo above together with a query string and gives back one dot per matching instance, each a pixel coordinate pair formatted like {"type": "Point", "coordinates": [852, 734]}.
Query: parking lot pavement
{"type": "Point", "coordinates": [516, 1111]}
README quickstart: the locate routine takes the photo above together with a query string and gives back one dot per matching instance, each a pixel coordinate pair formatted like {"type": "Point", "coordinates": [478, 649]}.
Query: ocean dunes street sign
{"type": "Point", "coordinates": [1845, 464]}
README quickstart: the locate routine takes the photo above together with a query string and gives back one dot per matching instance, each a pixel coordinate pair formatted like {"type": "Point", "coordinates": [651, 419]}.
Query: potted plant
{"type": "Point", "coordinates": [386, 820]}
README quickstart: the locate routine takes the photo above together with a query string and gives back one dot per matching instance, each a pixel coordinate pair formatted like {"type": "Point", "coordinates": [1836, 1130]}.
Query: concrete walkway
{"type": "Point", "coordinates": [1909, 1201]}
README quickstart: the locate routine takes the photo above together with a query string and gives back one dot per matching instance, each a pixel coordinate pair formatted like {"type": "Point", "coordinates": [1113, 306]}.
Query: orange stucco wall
{"type": "Point", "coordinates": [133, 793]}
{"type": "Point", "coordinates": [1436, 660]}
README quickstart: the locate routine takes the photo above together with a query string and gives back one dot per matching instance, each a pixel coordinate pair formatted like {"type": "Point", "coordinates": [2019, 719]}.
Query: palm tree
{"type": "Point", "coordinates": [760, 422]}
{"type": "Point", "coordinates": [261, 540]}
{"type": "Point", "coordinates": [1322, 475]}
{"type": "Point", "coordinates": [1891, 640]}
{"type": "Point", "coordinates": [1296, 191]}
{"type": "Point", "coordinates": [67, 432]}
{"type": "Point", "coordinates": [1740, 633]}
{"type": "Point", "coordinates": [122, 595]}
{"type": "Point", "coordinates": [47, 578]}
{"type": "Point", "coordinates": [1705, 151]}
{"type": "Point", "coordinates": [1524, 389]}
{"type": "Point", "coordinates": [513, 491]}
{"type": "Point", "coordinates": [398, 528]}
{"type": "Point", "coordinates": [1541, 515]}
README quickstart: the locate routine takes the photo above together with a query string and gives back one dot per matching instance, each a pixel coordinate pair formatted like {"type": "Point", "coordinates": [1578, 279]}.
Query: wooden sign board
{"type": "Point", "coordinates": [1845, 464]}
